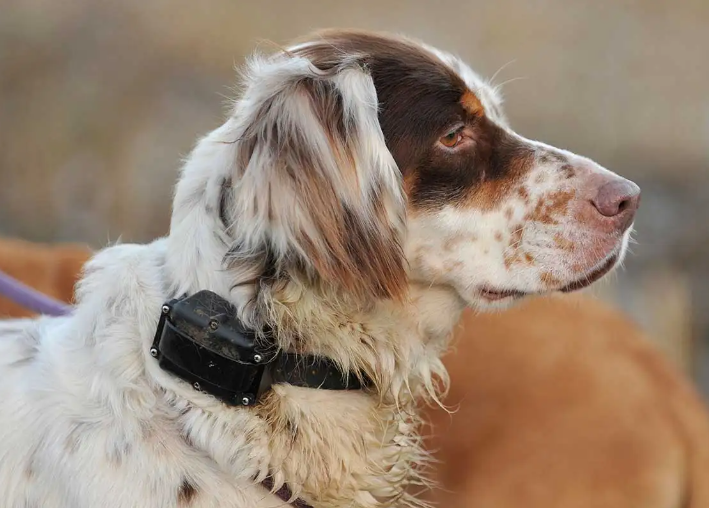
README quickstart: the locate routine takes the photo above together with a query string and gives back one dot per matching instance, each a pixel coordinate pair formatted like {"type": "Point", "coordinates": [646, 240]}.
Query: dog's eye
{"type": "Point", "coordinates": [452, 139]}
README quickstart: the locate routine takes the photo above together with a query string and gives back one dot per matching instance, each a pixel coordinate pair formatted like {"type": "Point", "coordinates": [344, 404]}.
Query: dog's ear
{"type": "Point", "coordinates": [315, 180]}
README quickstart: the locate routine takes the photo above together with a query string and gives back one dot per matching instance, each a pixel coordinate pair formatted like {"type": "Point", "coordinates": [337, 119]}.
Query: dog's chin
{"type": "Point", "coordinates": [600, 271]}
{"type": "Point", "coordinates": [488, 297]}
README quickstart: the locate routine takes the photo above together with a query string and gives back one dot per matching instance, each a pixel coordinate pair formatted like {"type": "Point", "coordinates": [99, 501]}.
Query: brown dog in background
{"type": "Point", "coordinates": [51, 269]}
{"type": "Point", "coordinates": [561, 403]}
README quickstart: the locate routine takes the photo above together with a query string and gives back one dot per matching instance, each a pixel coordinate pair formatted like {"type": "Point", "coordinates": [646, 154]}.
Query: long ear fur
{"type": "Point", "coordinates": [315, 185]}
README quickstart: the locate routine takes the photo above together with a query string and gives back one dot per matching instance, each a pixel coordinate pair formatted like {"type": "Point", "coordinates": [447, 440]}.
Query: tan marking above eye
{"type": "Point", "coordinates": [472, 104]}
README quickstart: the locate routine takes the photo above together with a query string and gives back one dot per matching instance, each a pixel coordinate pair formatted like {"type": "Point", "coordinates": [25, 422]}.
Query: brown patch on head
{"type": "Point", "coordinates": [418, 94]}
{"type": "Point", "coordinates": [472, 104]}
{"type": "Point", "coordinates": [528, 258]}
{"type": "Point", "coordinates": [420, 99]}
{"type": "Point", "coordinates": [551, 206]}
{"type": "Point", "coordinates": [186, 493]}
{"type": "Point", "coordinates": [523, 193]}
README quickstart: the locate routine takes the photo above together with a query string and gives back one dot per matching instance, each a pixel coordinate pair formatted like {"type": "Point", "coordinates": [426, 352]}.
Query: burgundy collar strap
{"type": "Point", "coordinates": [284, 494]}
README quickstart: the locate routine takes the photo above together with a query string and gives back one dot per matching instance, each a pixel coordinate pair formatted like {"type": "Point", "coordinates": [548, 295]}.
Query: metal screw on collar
{"type": "Point", "coordinates": [213, 325]}
{"type": "Point", "coordinates": [154, 352]}
{"type": "Point", "coordinates": [196, 386]}
{"type": "Point", "coordinates": [258, 358]}
{"type": "Point", "coordinates": [246, 401]}
{"type": "Point", "coordinates": [165, 309]}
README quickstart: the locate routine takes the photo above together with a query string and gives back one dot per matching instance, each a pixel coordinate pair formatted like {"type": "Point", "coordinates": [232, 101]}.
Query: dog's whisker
{"type": "Point", "coordinates": [491, 81]}
{"type": "Point", "coordinates": [499, 86]}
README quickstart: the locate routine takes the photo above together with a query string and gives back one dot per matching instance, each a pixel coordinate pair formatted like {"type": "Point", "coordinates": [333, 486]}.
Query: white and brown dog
{"type": "Point", "coordinates": [364, 190]}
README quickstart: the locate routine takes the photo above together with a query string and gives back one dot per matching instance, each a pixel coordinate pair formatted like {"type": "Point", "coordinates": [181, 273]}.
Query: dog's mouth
{"type": "Point", "coordinates": [492, 295]}
{"type": "Point", "coordinates": [592, 277]}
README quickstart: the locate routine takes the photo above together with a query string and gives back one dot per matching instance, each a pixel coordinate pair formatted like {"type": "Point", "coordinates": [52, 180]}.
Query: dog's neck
{"type": "Point", "coordinates": [336, 447]}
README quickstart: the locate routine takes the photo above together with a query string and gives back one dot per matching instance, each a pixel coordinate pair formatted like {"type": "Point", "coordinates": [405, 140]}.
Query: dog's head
{"type": "Point", "coordinates": [364, 161]}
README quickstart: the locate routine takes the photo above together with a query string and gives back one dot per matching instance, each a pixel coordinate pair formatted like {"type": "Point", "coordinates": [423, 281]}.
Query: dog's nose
{"type": "Point", "coordinates": [619, 200]}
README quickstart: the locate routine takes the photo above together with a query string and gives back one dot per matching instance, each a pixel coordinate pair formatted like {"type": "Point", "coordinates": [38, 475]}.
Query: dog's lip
{"type": "Point", "coordinates": [500, 294]}
{"type": "Point", "coordinates": [592, 277]}
{"type": "Point", "coordinates": [606, 266]}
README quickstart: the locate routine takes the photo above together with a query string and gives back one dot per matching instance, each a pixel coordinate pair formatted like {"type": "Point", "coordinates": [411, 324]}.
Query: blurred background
{"type": "Point", "coordinates": [100, 100]}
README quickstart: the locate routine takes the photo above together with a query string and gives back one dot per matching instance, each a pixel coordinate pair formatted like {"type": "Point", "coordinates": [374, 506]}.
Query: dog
{"type": "Point", "coordinates": [526, 429]}
{"type": "Point", "coordinates": [364, 189]}
{"type": "Point", "coordinates": [563, 402]}
{"type": "Point", "coordinates": [542, 405]}
{"type": "Point", "coordinates": [51, 269]}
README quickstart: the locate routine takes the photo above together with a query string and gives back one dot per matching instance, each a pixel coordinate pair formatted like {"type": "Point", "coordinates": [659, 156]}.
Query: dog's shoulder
{"type": "Point", "coordinates": [126, 270]}
{"type": "Point", "coordinates": [69, 383]}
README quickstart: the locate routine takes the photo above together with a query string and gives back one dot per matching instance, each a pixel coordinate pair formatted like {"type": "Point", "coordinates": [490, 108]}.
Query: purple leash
{"type": "Point", "coordinates": [29, 298]}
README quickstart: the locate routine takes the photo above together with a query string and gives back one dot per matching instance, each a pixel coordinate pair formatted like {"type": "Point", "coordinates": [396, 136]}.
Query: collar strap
{"type": "Point", "coordinates": [200, 340]}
